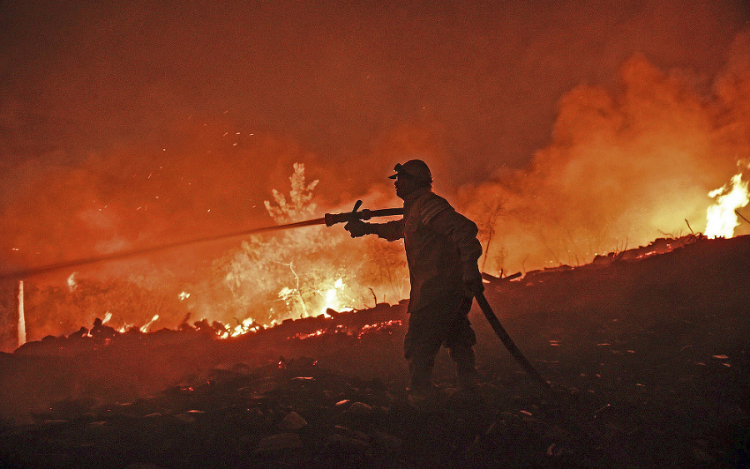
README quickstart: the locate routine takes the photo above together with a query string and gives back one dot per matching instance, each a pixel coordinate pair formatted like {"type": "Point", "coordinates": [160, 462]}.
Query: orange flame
{"type": "Point", "coordinates": [721, 217]}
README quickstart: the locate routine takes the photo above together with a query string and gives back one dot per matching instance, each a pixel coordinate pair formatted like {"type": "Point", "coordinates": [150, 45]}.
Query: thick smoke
{"type": "Point", "coordinates": [624, 166]}
{"type": "Point", "coordinates": [564, 129]}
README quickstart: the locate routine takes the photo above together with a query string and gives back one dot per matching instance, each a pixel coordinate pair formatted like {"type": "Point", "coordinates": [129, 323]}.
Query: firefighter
{"type": "Point", "coordinates": [442, 252]}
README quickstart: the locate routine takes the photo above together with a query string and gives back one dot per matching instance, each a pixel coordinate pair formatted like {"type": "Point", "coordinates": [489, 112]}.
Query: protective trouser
{"type": "Point", "coordinates": [440, 323]}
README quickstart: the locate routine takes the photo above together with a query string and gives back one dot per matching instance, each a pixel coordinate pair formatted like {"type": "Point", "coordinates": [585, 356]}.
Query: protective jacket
{"type": "Point", "coordinates": [441, 247]}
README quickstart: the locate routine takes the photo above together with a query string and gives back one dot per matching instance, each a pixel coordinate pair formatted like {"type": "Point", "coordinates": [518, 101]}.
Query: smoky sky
{"type": "Point", "coordinates": [127, 122]}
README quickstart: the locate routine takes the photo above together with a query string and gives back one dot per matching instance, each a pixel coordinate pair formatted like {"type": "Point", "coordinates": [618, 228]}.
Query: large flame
{"type": "Point", "coordinates": [722, 216]}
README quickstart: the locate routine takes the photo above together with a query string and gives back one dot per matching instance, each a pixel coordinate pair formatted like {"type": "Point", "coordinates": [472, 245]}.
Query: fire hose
{"type": "Point", "coordinates": [507, 341]}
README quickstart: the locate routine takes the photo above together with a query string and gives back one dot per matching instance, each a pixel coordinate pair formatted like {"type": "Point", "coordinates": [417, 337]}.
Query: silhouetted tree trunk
{"type": "Point", "coordinates": [8, 316]}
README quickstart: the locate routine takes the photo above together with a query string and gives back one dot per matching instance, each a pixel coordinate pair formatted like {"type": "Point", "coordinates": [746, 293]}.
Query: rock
{"type": "Point", "coordinates": [358, 409]}
{"type": "Point", "coordinates": [292, 422]}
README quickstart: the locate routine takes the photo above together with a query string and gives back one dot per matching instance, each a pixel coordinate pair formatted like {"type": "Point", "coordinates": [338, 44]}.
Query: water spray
{"type": "Point", "coordinates": [329, 219]}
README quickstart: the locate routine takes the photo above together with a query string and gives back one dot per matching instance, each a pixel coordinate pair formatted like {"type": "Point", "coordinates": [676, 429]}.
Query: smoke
{"type": "Point", "coordinates": [564, 129]}
{"type": "Point", "coordinates": [624, 166]}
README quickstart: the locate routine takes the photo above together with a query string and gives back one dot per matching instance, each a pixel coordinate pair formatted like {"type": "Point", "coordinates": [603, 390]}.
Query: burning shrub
{"type": "Point", "coordinates": [303, 272]}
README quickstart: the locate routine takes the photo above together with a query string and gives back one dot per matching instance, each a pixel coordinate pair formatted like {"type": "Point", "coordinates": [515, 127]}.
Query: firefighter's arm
{"type": "Point", "coordinates": [391, 230]}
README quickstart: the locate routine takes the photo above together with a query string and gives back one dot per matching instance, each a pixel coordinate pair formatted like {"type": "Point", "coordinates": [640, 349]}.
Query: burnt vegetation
{"type": "Point", "coordinates": [646, 351]}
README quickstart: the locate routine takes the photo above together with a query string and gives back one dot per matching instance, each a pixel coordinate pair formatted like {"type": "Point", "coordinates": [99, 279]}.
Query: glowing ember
{"type": "Point", "coordinates": [386, 326]}
{"type": "Point", "coordinates": [721, 217]}
{"type": "Point", "coordinates": [302, 336]}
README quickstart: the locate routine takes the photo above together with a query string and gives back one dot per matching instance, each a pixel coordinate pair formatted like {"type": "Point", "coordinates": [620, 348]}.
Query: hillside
{"type": "Point", "coordinates": [646, 351]}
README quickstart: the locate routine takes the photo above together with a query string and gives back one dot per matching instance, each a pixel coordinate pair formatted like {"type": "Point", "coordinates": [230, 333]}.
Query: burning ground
{"type": "Point", "coordinates": [646, 350]}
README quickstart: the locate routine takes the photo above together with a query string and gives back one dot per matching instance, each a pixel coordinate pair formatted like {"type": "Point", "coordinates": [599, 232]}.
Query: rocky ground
{"type": "Point", "coordinates": [646, 351]}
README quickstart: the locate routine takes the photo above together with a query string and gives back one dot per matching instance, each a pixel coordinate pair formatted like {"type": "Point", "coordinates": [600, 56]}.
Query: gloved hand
{"type": "Point", "coordinates": [357, 228]}
{"type": "Point", "coordinates": [474, 285]}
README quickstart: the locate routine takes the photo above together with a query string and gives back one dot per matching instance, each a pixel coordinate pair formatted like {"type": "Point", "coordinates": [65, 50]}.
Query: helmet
{"type": "Point", "coordinates": [414, 169]}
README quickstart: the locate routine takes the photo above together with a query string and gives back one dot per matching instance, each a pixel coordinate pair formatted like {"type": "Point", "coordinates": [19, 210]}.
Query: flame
{"type": "Point", "coordinates": [247, 325]}
{"type": "Point", "coordinates": [332, 300]}
{"type": "Point", "coordinates": [265, 280]}
{"type": "Point", "coordinates": [295, 298]}
{"type": "Point", "coordinates": [145, 327]}
{"type": "Point", "coordinates": [304, 273]}
{"type": "Point", "coordinates": [72, 285]}
{"type": "Point", "coordinates": [721, 217]}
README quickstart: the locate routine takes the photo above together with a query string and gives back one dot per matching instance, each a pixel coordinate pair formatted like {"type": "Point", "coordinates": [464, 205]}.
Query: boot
{"type": "Point", "coordinates": [466, 371]}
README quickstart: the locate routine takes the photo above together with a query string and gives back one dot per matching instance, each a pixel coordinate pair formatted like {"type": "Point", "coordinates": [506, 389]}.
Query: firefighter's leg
{"type": "Point", "coordinates": [461, 340]}
{"type": "Point", "coordinates": [421, 345]}
{"type": "Point", "coordinates": [466, 369]}
{"type": "Point", "coordinates": [421, 364]}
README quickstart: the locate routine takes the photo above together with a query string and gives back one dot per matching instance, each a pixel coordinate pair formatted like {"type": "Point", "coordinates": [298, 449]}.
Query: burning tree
{"type": "Point", "coordinates": [304, 272]}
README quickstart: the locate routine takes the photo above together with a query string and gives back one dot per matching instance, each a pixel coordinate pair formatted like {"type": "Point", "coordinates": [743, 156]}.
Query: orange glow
{"type": "Point", "coordinates": [146, 326]}
{"type": "Point", "coordinates": [317, 333]}
{"type": "Point", "coordinates": [721, 217]}
{"type": "Point", "coordinates": [561, 140]}
{"type": "Point", "coordinates": [306, 272]}
{"type": "Point", "coordinates": [379, 327]}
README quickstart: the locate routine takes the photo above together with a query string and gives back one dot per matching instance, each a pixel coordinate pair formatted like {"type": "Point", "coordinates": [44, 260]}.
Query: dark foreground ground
{"type": "Point", "coordinates": [648, 359]}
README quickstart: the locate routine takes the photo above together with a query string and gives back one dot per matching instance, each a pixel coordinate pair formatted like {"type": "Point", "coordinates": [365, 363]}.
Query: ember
{"type": "Point", "coordinates": [386, 326]}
